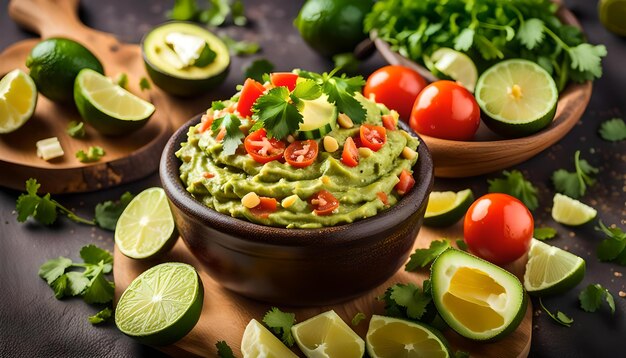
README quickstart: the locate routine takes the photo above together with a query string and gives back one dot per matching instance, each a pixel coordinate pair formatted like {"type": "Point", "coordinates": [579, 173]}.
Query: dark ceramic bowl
{"type": "Point", "coordinates": [297, 267]}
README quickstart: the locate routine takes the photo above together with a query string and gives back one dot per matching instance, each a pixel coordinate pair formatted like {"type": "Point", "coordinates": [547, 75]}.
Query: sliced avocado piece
{"type": "Point", "coordinates": [319, 117]}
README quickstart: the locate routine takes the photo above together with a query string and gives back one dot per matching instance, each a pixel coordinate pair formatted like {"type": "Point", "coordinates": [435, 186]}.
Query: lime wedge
{"type": "Point", "coordinates": [109, 108]}
{"type": "Point", "coordinates": [146, 227]}
{"type": "Point", "coordinates": [258, 342]}
{"type": "Point", "coordinates": [551, 270]}
{"type": "Point", "coordinates": [18, 97]}
{"type": "Point", "coordinates": [447, 207]}
{"type": "Point", "coordinates": [517, 97]}
{"type": "Point", "coordinates": [327, 336]}
{"type": "Point", "coordinates": [447, 63]}
{"type": "Point", "coordinates": [161, 305]}
{"type": "Point", "coordinates": [568, 211]}
{"type": "Point", "coordinates": [393, 337]}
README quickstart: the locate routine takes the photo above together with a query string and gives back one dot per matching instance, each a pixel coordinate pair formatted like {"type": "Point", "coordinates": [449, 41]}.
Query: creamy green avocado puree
{"type": "Point", "coordinates": [357, 188]}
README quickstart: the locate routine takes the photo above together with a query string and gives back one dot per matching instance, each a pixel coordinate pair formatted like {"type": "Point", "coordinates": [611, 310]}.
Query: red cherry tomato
{"type": "Point", "coordinates": [323, 202]}
{"type": "Point", "coordinates": [286, 79]}
{"type": "Point", "coordinates": [373, 137]}
{"type": "Point", "coordinates": [396, 87]}
{"type": "Point", "coordinates": [350, 155]}
{"type": "Point", "coordinates": [249, 93]}
{"type": "Point", "coordinates": [265, 207]}
{"type": "Point", "coordinates": [389, 122]}
{"type": "Point", "coordinates": [498, 228]}
{"type": "Point", "coordinates": [406, 182]}
{"type": "Point", "coordinates": [263, 149]}
{"type": "Point", "coordinates": [445, 109]}
{"type": "Point", "coordinates": [301, 154]}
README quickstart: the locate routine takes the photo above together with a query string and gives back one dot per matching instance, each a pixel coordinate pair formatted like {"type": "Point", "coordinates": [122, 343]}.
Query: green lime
{"type": "Point", "coordinates": [161, 305]}
{"type": "Point", "coordinates": [326, 336]}
{"type": "Point", "coordinates": [54, 64]}
{"type": "Point", "coordinates": [447, 63]}
{"type": "Point", "coordinates": [518, 97]}
{"type": "Point", "coordinates": [109, 108]}
{"type": "Point", "coordinates": [146, 227]}
{"type": "Point", "coordinates": [259, 342]}
{"type": "Point", "coordinates": [18, 98]}
{"type": "Point", "coordinates": [551, 270]}
{"type": "Point", "coordinates": [572, 212]}
{"type": "Point", "coordinates": [476, 298]}
{"type": "Point", "coordinates": [612, 15]}
{"type": "Point", "coordinates": [185, 59]}
{"type": "Point", "coordinates": [447, 207]}
{"type": "Point", "coordinates": [331, 27]}
{"type": "Point", "coordinates": [389, 337]}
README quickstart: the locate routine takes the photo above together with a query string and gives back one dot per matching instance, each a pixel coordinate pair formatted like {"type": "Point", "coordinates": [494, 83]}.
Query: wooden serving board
{"type": "Point", "coordinates": [225, 314]}
{"type": "Point", "coordinates": [127, 157]}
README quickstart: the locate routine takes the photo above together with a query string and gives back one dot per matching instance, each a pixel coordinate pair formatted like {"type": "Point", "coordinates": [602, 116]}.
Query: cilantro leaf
{"type": "Point", "coordinates": [587, 58]}
{"type": "Point", "coordinates": [575, 184]}
{"type": "Point", "coordinates": [93, 154]}
{"type": "Point", "coordinates": [76, 129]}
{"type": "Point", "coordinates": [613, 130]}
{"type": "Point", "coordinates": [422, 257]}
{"type": "Point", "coordinates": [216, 14]}
{"type": "Point", "coordinates": [233, 136]}
{"type": "Point", "coordinates": [46, 212]}
{"type": "Point", "coordinates": [100, 290]}
{"type": "Point", "coordinates": [613, 246]}
{"type": "Point", "coordinates": [144, 84]}
{"type": "Point", "coordinates": [464, 40]}
{"type": "Point", "coordinates": [92, 254]}
{"type": "Point", "coordinates": [240, 48]}
{"type": "Point", "coordinates": [77, 282]}
{"type": "Point", "coordinates": [107, 213]}
{"type": "Point", "coordinates": [530, 33]}
{"type": "Point", "coordinates": [26, 206]}
{"type": "Point", "coordinates": [412, 298]}
{"type": "Point", "coordinates": [516, 185]}
{"type": "Point", "coordinates": [559, 317]}
{"type": "Point", "coordinates": [280, 323]}
{"type": "Point", "coordinates": [307, 90]}
{"type": "Point", "coordinates": [358, 317]}
{"type": "Point", "coordinates": [224, 350]}
{"type": "Point", "coordinates": [591, 298]}
{"type": "Point", "coordinates": [346, 62]}
{"type": "Point", "coordinates": [257, 68]}
{"type": "Point", "coordinates": [54, 268]}
{"type": "Point", "coordinates": [102, 316]}
{"type": "Point", "coordinates": [274, 112]}
{"type": "Point", "coordinates": [544, 233]}
{"type": "Point", "coordinates": [59, 286]}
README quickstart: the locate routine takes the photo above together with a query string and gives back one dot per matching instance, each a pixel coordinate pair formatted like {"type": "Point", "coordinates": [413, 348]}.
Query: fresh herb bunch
{"type": "Point", "coordinates": [488, 31]}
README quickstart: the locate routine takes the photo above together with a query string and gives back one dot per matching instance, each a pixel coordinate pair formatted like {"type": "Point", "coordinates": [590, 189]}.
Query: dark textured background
{"type": "Point", "coordinates": [34, 324]}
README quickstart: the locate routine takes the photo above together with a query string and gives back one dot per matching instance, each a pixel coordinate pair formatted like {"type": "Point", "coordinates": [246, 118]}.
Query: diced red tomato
{"type": "Point", "coordinates": [373, 137]}
{"type": "Point", "coordinates": [207, 121]}
{"type": "Point", "coordinates": [389, 122]}
{"type": "Point", "coordinates": [208, 175]}
{"type": "Point", "coordinates": [301, 154]}
{"type": "Point", "coordinates": [323, 202]}
{"type": "Point", "coordinates": [263, 149]}
{"type": "Point", "coordinates": [383, 197]}
{"type": "Point", "coordinates": [221, 134]}
{"type": "Point", "coordinates": [249, 93]}
{"type": "Point", "coordinates": [350, 155]}
{"type": "Point", "coordinates": [286, 79]}
{"type": "Point", "coordinates": [406, 182]}
{"type": "Point", "coordinates": [265, 207]}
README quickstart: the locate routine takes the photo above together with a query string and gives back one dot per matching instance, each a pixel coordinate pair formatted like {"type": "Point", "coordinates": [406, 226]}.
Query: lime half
{"type": "Point", "coordinates": [161, 305]}
{"type": "Point", "coordinates": [392, 337]}
{"type": "Point", "coordinates": [517, 97]}
{"type": "Point", "coordinates": [18, 97]}
{"type": "Point", "coordinates": [447, 207]}
{"type": "Point", "coordinates": [568, 211]}
{"type": "Point", "coordinates": [551, 270]}
{"type": "Point", "coordinates": [146, 227]}
{"type": "Point", "coordinates": [109, 108]}
{"type": "Point", "coordinates": [451, 64]}
{"type": "Point", "coordinates": [327, 336]}
{"type": "Point", "coordinates": [259, 342]}
{"type": "Point", "coordinates": [612, 14]}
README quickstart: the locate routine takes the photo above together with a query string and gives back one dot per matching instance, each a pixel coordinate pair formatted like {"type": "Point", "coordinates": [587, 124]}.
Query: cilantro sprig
{"type": "Point", "coordinates": [233, 135]}
{"type": "Point", "coordinates": [574, 184]}
{"type": "Point", "coordinates": [224, 350]}
{"type": "Point", "coordinates": [544, 233]}
{"type": "Point", "coordinates": [257, 68]}
{"type": "Point", "coordinates": [613, 247]}
{"type": "Point", "coordinates": [104, 315]}
{"type": "Point", "coordinates": [613, 130]}
{"type": "Point", "coordinates": [93, 154]}
{"type": "Point", "coordinates": [592, 296]}
{"type": "Point", "coordinates": [423, 257]}
{"type": "Point", "coordinates": [280, 324]}
{"type": "Point", "coordinates": [515, 184]}
{"type": "Point", "coordinates": [407, 300]}
{"type": "Point", "coordinates": [558, 317]}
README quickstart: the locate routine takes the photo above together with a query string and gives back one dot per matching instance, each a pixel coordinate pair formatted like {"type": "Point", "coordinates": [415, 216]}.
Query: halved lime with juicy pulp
{"type": "Point", "coordinates": [259, 342]}
{"type": "Point", "coordinates": [18, 98]}
{"type": "Point", "coordinates": [447, 207]}
{"type": "Point", "coordinates": [161, 305]}
{"type": "Point", "coordinates": [476, 298]}
{"type": "Point", "coordinates": [447, 63]}
{"type": "Point", "coordinates": [551, 270]}
{"type": "Point", "coordinates": [612, 14]}
{"type": "Point", "coordinates": [109, 108]}
{"type": "Point", "coordinates": [146, 227]}
{"type": "Point", "coordinates": [327, 336]}
{"type": "Point", "coordinates": [568, 211]}
{"type": "Point", "coordinates": [517, 97]}
{"type": "Point", "coordinates": [389, 337]}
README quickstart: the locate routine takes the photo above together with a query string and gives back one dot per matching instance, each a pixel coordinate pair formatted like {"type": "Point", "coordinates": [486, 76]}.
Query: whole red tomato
{"type": "Point", "coordinates": [445, 109]}
{"type": "Point", "coordinates": [396, 87]}
{"type": "Point", "coordinates": [498, 228]}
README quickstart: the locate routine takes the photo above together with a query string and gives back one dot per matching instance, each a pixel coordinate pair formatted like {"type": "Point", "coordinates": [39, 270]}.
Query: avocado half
{"type": "Point", "coordinates": [188, 81]}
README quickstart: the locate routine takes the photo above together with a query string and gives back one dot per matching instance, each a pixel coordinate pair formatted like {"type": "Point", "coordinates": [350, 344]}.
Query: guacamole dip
{"type": "Point", "coordinates": [345, 174]}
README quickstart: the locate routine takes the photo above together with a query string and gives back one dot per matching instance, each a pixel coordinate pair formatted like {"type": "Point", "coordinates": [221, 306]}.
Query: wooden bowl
{"type": "Point", "coordinates": [490, 152]}
{"type": "Point", "coordinates": [296, 267]}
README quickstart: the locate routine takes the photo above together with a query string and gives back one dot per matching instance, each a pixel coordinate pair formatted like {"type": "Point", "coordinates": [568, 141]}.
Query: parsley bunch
{"type": "Point", "coordinates": [488, 31]}
{"type": "Point", "coordinates": [575, 184]}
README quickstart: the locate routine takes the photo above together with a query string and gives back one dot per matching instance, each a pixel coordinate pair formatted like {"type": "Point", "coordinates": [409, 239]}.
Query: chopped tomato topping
{"type": "Point", "coordinates": [250, 92]}
{"type": "Point", "coordinates": [265, 207]}
{"type": "Point", "coordinates": [263, 149]}
{"type": "Point", "coordinates": [323, 202]}
{"type": "Point", "coordinates": [383, 197]}
{"type": "Point", "coordinates": [220, 136]}
{"type": "Point", "coordinates": [350, 155]}
{"type": "Point", "coordinates": [301, 154]}
{"type": "Point", "coordinates": [406, 182]}
{"type": "Point", "coordinates": [207, 121]}
{"type": "Point", "coordinates": [389, 122]}
{"type": "Point", "coordinates": [286, 79]}
{"type": "Point", "coordinates": [208, 175]}
{"type": "Point", "coordinates": [373, 137]}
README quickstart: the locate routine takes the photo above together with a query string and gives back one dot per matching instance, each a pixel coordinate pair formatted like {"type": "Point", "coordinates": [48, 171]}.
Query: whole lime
{"type": "Point", "coordinates": [54, 64]}
{"type": "Point", "coordinates": [332, 26]}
